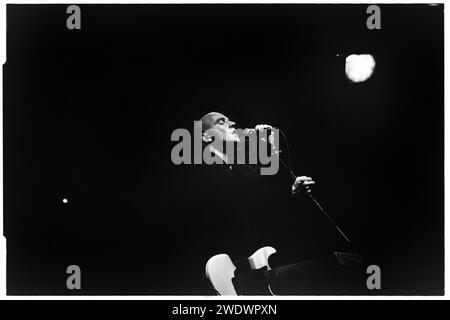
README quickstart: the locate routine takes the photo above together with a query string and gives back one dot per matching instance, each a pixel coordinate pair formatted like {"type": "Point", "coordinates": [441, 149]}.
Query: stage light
{"type": "Point", "coordinates": [359, 67]}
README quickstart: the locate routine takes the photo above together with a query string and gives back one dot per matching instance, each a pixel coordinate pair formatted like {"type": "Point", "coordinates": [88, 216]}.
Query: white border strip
{"type": "Point", "coordinates": [2, 239]}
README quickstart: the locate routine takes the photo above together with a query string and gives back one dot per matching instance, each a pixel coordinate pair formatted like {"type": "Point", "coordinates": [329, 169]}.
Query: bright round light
{"type": "Point", "coordinates": [359, 67]}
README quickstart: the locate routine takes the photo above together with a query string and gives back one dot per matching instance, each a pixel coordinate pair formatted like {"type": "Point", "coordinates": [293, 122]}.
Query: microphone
{"type": "Point", "coordinates": [259, 128]}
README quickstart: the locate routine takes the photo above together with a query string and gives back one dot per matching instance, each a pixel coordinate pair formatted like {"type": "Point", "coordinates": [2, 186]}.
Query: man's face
{"type": "Point", "coordinates": [221, 125]}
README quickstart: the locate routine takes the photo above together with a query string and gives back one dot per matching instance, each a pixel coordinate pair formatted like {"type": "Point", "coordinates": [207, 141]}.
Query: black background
{"type": "Point", "coordinates": [88, 116]}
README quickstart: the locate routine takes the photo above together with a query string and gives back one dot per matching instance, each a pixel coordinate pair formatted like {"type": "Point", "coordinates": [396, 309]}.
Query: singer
{"type": "Point", "coordinates": [242, 210]}
{"type": "Point", "coordinates": [221, 127]}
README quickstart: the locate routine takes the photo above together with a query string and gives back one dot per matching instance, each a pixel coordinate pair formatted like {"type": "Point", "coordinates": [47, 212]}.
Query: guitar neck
{"type": "Point", "coordinates": [287, 269]}
{"type": "Point", "coordinates": [342, 258]}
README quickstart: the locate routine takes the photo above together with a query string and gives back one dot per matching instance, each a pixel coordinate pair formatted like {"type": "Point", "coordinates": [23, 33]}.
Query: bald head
{"type": "Point", "coordinates": [219, 123]}
{"type": "Point", "coordinates": [210, 119]}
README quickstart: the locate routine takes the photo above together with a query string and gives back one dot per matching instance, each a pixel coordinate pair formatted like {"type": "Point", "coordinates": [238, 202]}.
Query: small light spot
{"type": "Point", "coordinates": [65, 200]}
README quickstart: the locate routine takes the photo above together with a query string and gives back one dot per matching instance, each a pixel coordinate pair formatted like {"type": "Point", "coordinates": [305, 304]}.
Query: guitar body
{"type": "Point", "coordinates": [221, 272]}
{"type": "Point", "coordinates": [254, 275]}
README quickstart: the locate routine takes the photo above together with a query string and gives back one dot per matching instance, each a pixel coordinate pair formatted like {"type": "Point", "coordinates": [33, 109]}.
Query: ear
{"type": "Point", "coordinates": [206, 137]}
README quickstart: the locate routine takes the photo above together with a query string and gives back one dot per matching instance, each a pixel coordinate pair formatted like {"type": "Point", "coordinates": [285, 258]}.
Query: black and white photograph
{"type": "Point", "coordinates": [233, 149]}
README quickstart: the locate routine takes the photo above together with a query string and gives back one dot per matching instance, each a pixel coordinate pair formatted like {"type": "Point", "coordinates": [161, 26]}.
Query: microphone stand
{"type": "Point", "coordinates": [311, 196]}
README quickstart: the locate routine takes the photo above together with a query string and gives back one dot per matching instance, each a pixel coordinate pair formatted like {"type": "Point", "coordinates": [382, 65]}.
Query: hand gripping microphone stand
{"type": "Point", "coordinates": [308, 190]}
